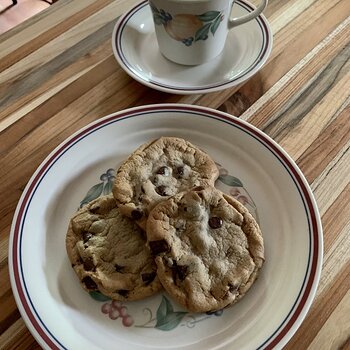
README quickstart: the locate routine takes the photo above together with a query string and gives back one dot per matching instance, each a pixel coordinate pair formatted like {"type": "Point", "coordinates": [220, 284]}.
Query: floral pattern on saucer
{"type": "Point", "coordinates": [163, 317]}
{"type": "Point", "coordinates": [188, 28]}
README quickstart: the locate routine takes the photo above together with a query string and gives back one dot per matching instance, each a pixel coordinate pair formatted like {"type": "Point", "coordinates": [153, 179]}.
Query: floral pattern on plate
{"type": "Point", "coordinates": [164, 317]}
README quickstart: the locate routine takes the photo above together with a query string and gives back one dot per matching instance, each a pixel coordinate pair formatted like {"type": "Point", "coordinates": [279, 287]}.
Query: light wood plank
{"type": "Point", "coordinates": [276, 96]}
{"type": "Point", "coordinates": [64, 9]}
{"type": "Point", "coordinates": [321, 309]}
{"type": "Point", "coordinates": [336, 331]}
{"type": "Point", "coordinates": [18, 337]}
{"type": "Point", "coordinates": [333, 179]}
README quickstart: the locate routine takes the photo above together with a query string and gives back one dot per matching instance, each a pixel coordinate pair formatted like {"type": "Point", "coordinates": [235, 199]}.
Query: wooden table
{"type": "Point", "coordinates": [58, 74]}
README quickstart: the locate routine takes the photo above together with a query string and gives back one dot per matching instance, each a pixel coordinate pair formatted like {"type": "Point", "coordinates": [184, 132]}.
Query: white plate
{"type": "Point", "coordinates": [63, 316]}
{"type": "Point", "coordinates": [135, 47]}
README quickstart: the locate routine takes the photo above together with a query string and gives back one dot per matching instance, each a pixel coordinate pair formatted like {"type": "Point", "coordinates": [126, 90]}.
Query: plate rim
{"type": "Point", "coordinates": [267, 48]}
{"type": "Point", "coordinates": [292, 323]}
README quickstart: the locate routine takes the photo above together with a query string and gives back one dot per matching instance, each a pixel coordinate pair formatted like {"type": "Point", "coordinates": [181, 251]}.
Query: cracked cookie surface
{"type": "Point", "coordinates": [208, 248]}
{"type": "Point", "coordinates": [108, 252]}
{"type": "Point", "coordinates": [158, 170]}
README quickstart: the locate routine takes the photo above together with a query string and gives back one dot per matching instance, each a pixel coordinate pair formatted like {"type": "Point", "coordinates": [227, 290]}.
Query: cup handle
{"type": "Point", "coordinates": [234, 22]}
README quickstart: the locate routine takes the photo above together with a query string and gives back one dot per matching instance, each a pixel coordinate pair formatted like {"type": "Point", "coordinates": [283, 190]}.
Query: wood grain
{"type": "Point", "coordinates": [58, 73]}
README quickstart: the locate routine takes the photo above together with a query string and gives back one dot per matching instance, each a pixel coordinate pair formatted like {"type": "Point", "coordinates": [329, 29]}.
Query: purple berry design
{"type": "Point", "coordinates": [128, 321]}
{"type": "Point", "coordinates": [116, 309]}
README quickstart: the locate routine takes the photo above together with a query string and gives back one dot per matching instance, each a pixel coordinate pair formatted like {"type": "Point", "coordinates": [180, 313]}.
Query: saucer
{"type": "Point", "coordinates": [135, 47]}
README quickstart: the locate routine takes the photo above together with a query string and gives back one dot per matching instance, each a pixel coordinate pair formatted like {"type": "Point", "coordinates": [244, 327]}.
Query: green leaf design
{"type": "Point", "coordinates": [208, 16]}
{"type": "Point", "coordinates": [93, 193]}
{"type": "Point", "coordinates": [98, 296]}
{"type": "Point", "coordinates": [164, 309]}
{"type": "Point", "coordinates": [230, 180]}
{"type": "Point", "coordinates": [170, 321]}
{"type": "Point", "coordinates": [215, 25]}
{"type": "Point", "coordinates": [108, 187]}
{"type": "Point", "coordinates": [202, 33]}
{"type": "Point", "coordinates": [167, 319]}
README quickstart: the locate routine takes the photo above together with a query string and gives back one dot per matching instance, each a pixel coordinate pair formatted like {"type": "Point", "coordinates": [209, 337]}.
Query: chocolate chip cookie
{"type": "Point", "coordinates": [108, 252]}
{"type": "Point", "coordinates": [158, 170]}
{"type": "Point", "coordinates": [208, 248]}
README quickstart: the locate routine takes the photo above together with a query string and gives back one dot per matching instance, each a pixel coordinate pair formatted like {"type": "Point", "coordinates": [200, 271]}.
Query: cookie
{"type": "Point", "coordinates": [158, 170]}
{"type": "Point", "coordinates": [208, 248]}
{"type": "Point", "coordinates": [108, 252]}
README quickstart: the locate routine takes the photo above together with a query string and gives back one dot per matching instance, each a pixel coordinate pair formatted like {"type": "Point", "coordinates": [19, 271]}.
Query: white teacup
{"type": "Point", "coordinates": [192, 32]}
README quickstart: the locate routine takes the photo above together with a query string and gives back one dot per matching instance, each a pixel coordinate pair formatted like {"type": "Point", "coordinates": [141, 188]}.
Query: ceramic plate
{"type": "Point", "coordinates": [135, 47]}
{"type": "Point", "coordinates": [253, 169]}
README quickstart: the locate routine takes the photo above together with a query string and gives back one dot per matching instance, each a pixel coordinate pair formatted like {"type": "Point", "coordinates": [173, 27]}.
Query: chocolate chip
{"type": "Point", "coordinates": [174, 272]}
{"type": "Point", "coordinates": [181, 271]}
{"type": "Point", "coordinates": [87, 236]}
{"type": "Point", "coordinates": [161, 190]}
{"type": "Point", "coordinates": [73, 265]}
{"type": "Point", "coordinates": [142, 190]}
{"type": "Point", "coordinates": [89, 264]}
{"type": "Point", "coordinates": [215, 222]}
{"type": "Point", "coordinates": [89, 283]}
{"type": "Point", "coordinates": [95, 209]}
{"type": "Point", "coordinates": [118, 268]}
{"type": "Point", "coordinates": [123, 292]}
{"type": "Point", "coordinates": [136, 214]}
{"type": "Point", "coordinates": [180, 171]}
{"type": "Point", "coordinates": [157, 247]}
{"type": "Point", "coordinates": [163, 171]}
{"type": "Point", "coordinates": [148, 277]}
{"type": "Point", "coordinates": [232, 287]}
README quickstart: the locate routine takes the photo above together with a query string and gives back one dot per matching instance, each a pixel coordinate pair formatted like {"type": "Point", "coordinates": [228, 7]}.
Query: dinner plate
{"type": "Point", "coordinates": [135, 47]}
{"type": "Point", "coordinates": [253, 168]}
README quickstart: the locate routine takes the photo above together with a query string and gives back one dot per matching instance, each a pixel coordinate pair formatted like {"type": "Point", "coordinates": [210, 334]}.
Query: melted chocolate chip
{"type": "Point", "coordinates": [148, 277]}
{"type": "Point", "coordinates": [215, 222]}
{"type": "Point", "coordinates": [174, 272]}
{"type": "Point", "coordinates": [89, 264]}
{"type": "Point", "coordinates": [89, 283]}
{"type": "Point", "coordinates": [118, 268]}
{"type": "Point", "coordinates": [123, 292]}
{"type": "Point", "coordinates": [136, 214]}
{"type": "Point", "coordinates": [158, 247]}
{"type": "Point", "coordinates": [142, 190]}
{"type": "Point", "coordinates": [87, 236]}
{"type": "Point", "coordinates": [161, 190]}
{"type": "Point", "coordinates": [163, 171]}
{"type": "Point", "coordinates": [181, 271]}
{"type": "Point", "coordinates": [95, 209]}
{"type": "Point", "coordinates": [180, 171]}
